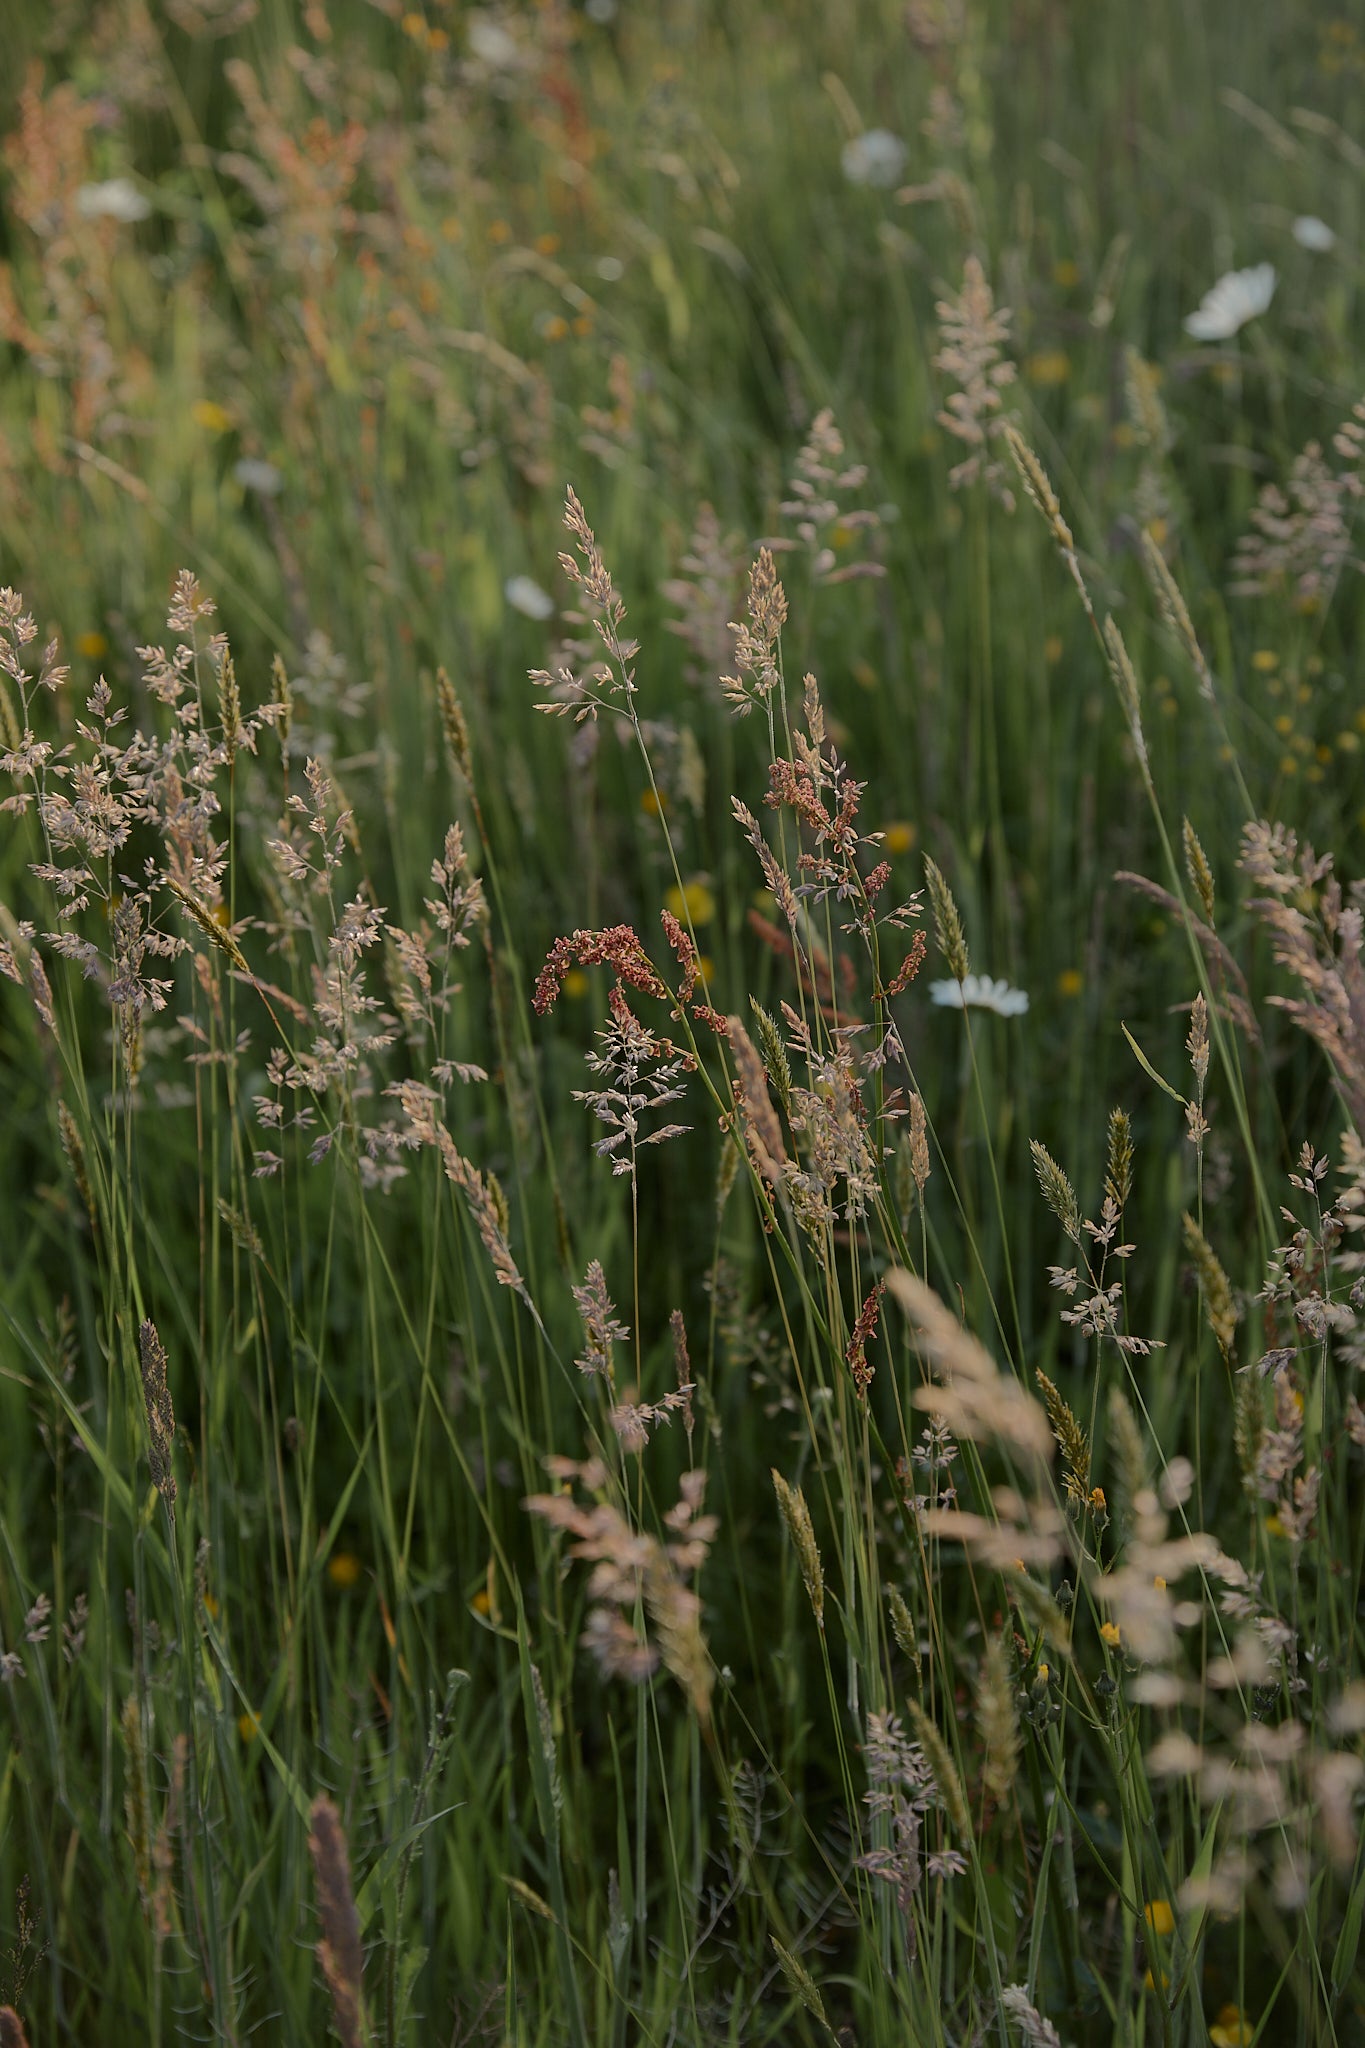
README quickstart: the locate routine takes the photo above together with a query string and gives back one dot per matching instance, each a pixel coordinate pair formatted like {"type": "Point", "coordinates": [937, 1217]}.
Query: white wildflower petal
{"type": "Point", "coordinates": [979, 992]}
{"type": "Point", "coordinates": [525, 595]}
{"type": "Point", "coordinates": [1239, 296]}
{"type": "Point", "coordinates": [1311, 233]}
{"type": "Point", "coordinates": [876, 157]}
{"type": "Point", "coordinates": [115, 199]}
{"type": "Point", "coordinates": [254, 474]}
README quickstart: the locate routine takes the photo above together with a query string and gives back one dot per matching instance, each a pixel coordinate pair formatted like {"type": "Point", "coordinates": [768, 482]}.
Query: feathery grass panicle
{"type": "Point", "coordinates": [997, 1718]}
{"type": "Point", "coordinates": [974, 1398]}
{"type": "Point", "coordinates": [1037, 2032]}
{"type": "Point", "coordinates": [796, 1514]}
{"type": "Point", "coordinates": [339, 1950]}
{"type": "Point", "coordinates": [939, 1758]}
{"type": "Point", "coordinates": [1219, 1306]}
{"type": "Point", "coordinates": [948, 932]}
{"type": "Point", "coordinates": [762, 1131]}
{"type": "Point", "coordinates": [1058, 1192]}
{"type": "Point", "coordinates": [156, 1396]}
{"type": "Point", "coordinates": [974, 332]}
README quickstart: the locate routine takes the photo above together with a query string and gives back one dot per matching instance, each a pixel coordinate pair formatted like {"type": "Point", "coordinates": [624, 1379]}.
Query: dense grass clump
{"type": "Point", "coordinates": [681, 1286]}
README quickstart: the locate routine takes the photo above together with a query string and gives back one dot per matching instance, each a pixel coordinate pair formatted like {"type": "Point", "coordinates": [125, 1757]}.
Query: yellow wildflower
{"type": "Point", "coordinates": [214, 418]}
{"type": "Point", "coordinates": [1109, 1633]}
{"type": "Point", "coordinates": [693, 902]}
{"type": "Point", "coordinates": [1159, 1917]}
{"type": "Point", "coordinates": [343, 1569]}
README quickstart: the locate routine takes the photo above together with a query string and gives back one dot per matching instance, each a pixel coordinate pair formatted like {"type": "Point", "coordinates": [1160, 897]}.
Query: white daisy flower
{"type": "Point", "coordinates": [1237, 297]}
{"type": "Point", "coordinates": [254, 474]}
{"type": "Point", "coordinates": [525, 595]}
{"type": "Point", "coordinates": [1311, 233]}
{"type": "Point", "coordinates": [979, 992]}
{"type": "Point", "coordinates": [115, 199]}
{"type": "Point", "coordinates": [876, 157]}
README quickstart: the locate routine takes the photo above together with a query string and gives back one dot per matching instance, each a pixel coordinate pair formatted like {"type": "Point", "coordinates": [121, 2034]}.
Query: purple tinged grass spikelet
{"type": "Point", "coordinates": [339, 1950]}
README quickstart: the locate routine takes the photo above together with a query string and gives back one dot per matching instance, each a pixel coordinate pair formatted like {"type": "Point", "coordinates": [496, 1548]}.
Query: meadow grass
{"type": "Point", "coordinates": [686, 1370]}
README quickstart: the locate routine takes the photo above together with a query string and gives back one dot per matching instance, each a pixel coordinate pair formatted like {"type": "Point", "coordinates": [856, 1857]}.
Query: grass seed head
{"type": "Point", "coordinates": [948, 930]}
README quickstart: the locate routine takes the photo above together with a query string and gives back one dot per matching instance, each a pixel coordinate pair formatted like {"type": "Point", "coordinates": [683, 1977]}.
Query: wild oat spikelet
{"type": "Point", "coordinates": [230, 708]}
{"type": "Point", "coordinates": [795, 1513]}
{"type": "Point", "coordinates": [903, 1625]}
{"type": "Point", "coordinates": [242, 1230]}
{"type": "Point", "coordinates": [948, 932]}
{"type": "Point", "coordinates": [1058, 1192]}
{"type": "Point", "coordinates": [1071, 1441]}
{"type": "Point", "coordinates": [1218, 1302]}
{"type": "Point", "coordinates": [1171, 605]}
{"type": "Point", "coordinates": [1198, 870]}
{"type": "Point", "coordinates": [775, 1061]}
{"type": "Point", "coordinates": [339, 1950]}
{"type": "Point", "coordinates": [939, 1758]}
{"type": "Point", "coordinates": [918, 1142]}
{"type": "Point", "coordinates": [1126, 683]}
{"type": "Point", "coordinates": [454, 725]}
{"type": "Point", "coordinates": [1038, 486]}
{"type": "Point", "coordinates": [156, 1397]}
{"type": "Point", "coordinates": [802, 1984]}
{"type": "Point", "coordinates": [74, 1148]}
{"type": "Point", "coordinates": [208, 924]}
{"type": "Point", "coordinates": [997, 1717]}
